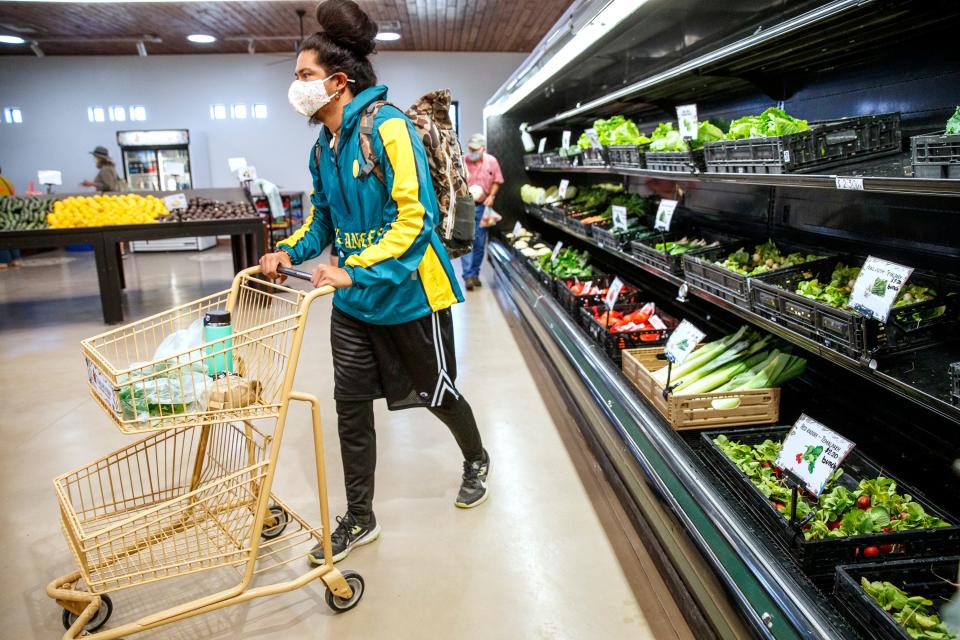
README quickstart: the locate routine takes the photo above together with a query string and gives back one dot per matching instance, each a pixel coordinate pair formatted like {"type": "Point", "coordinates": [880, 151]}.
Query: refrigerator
{"type": "Point", "coordinates": [157, 160]}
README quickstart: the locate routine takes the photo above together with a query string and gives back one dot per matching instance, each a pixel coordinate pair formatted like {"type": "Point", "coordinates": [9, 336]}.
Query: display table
{"type": "Point", "coordinates": [246, 241]}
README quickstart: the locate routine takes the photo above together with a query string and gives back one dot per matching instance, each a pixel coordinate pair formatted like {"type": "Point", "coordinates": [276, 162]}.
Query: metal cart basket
{"type": "Point", "coordinates": [195, 494]}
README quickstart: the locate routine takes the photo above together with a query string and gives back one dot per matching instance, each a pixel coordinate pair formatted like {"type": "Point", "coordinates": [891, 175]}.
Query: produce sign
{"type": "Point", "coordinates": [772, 122]}
{"type": "Point", "coordinates": [24, 213]}
{"type": "Point", "coordinates": [877, 287]}
{"type": "Point", "coordinates": [176, 201]}
{"type": "Point", "coordinates": [206, 209]}
{"type": "Point", "coordinates": [743, 360]}
{"type": "Point", "coordinates": [836, 293]}
{"type": "Point", "coordinates": [766, 257]}
{"type": "Point", "coordinates": [687, 119]}
{"type": "Point", "coordinates": [103, 210]}
{"type": "Point", "coordinates": [664, 214]}
{"type": "Point", "coordinates": [912, 613]}
{"type": "Point", "coordinates": [812, 453]}
{"type": "Point", "coordinates": [872, 506]}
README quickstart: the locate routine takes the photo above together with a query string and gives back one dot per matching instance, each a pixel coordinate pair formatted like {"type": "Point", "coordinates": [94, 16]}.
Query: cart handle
{"type": "Point", "coordinates": [295, 273]}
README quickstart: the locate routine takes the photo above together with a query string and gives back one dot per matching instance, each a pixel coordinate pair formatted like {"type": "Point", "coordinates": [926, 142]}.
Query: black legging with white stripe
{"type": "Point", "coordinates": [358, 445]}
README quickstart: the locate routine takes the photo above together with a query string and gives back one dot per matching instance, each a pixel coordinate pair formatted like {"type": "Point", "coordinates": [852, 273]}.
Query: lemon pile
{"type": "Point", "coordinates": [102, 210]}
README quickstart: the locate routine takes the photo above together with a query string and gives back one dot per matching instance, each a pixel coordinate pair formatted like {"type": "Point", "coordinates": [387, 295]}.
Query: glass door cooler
{"type": "Point", "coordinates": [157, 160]}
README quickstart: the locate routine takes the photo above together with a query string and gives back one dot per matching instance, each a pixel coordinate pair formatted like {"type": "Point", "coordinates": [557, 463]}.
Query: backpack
{"type": "Point", "coordinates": [430, 116]}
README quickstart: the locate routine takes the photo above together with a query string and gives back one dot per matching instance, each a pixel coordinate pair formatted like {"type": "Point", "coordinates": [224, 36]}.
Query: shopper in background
{"type": "Point", "coordinates": [484, 179]}
{"type": "Point", "coordinates": [8, 257]}
{"type": "Point", "coordinates": [107, 178]}
{"type": "Point", "coordinates": [391, 331]}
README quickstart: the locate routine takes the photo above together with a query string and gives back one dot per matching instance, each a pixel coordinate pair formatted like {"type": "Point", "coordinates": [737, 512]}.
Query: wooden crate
{"type": "Point", "coordinates": [757, 406]}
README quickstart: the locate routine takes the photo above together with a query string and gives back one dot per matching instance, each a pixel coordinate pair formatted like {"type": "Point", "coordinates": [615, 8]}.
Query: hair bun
{"type": "Point", "coordinates": [346, 24]}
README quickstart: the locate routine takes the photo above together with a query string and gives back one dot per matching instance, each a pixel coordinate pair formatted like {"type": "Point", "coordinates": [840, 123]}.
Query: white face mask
{"type": "Point", "coordinates": [309, 97]}
{"type": "Point", "coordinates": [473, 156]}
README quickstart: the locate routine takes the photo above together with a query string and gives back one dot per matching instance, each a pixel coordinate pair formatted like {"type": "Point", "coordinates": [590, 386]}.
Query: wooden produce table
{"type": "Point", "coordinates": [246, 242]}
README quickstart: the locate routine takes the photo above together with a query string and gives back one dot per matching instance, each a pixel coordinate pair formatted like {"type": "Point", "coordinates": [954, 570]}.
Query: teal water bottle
{"type": "Point", "coordinates": [216, 326]}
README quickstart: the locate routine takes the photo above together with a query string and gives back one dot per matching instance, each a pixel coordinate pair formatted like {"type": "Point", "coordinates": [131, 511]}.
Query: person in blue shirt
{"type": "Point", "coordinates": [391, 330]}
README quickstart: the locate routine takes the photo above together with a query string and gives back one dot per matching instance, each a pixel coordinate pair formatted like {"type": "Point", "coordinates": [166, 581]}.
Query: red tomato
{"type": "Point", "coordinates": [871, 552]}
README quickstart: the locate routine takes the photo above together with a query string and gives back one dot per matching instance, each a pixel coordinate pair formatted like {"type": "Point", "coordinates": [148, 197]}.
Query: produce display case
{"type": "Point", "coordinates": [819, 558]}
{"type": "Point", "coordinates": [676, 161]}
{"type": "Point", "coordinates": [936, 156]}
{"type": "Point", "coordinates": [613, 343]}
{"type": "Point", "coordinates": [909, 327]}
{"type": "Point", "coordinates": [572, 303]}
{"type": "Point", "coordinates": [927, 578]}
{"type": "Point", "coordinates": [646, 252]}
{"type": "Point", "coordinates": [701, 270]}
{"type": "Point", "coordinates": [627, 155]}
{"type": "Point", "coordinates": [697, 411]}
{"type": "Point", "coordinates": [533, 161]}
{"type": "Point", "coordinates": [826, 144]}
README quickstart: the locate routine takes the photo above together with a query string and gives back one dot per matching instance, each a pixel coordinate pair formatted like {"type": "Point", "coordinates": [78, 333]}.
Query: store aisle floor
{"type": "Point", "coordinates": [549, 556]}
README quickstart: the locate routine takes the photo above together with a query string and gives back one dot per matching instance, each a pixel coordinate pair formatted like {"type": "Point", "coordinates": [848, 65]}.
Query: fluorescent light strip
{"type": "Point", "coordinates": [612, 15]}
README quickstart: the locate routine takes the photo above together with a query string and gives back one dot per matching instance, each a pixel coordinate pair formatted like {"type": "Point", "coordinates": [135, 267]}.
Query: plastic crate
{"type": "Point", "coordinates": [676, 161]}
{"type": "Point", "coordinates": [554, 159]}
{"type": "Point", "coordinates": [825, 144]}
{"type": "Point", "coordinates": [629, 296]}
{"type": "Point", "coordinates": [847, 332]}
{"type": "Point", "coordinates": [614, 343]}
{"type": "Point", "coordinates": [955, 382]}
{"type": "Point", "coordinates": [575, 224]}
{"type": "Point", "coordinates": [626, 155]}
{"type": "Point", "coordinates": [926, 578]}
{"type": "Point", "coordinates": [533, 161]}
{"type": "Point", "coordinates": [644, 249]}
{"type": "Point", "coordinates": [604, 235]}
{"type": "Point", "coordinates": [701, 270]}
{"type": "Point", "coordinates": [553, 213]}
{"type": "Point", "coordinates": [936, 156]}
{"type": "Point", "coordinates": [594, 157]}
{"type": "Point", "coordinates": [534, 211]}
{"type": "Point", "coordinates": [696, 411]}
{"type": "Point", "coordinates": [819, 558]}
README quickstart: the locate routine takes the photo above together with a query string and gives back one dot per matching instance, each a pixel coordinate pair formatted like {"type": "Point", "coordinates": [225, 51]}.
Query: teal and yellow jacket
{"type": "Point", "coordinates": [384, 235]}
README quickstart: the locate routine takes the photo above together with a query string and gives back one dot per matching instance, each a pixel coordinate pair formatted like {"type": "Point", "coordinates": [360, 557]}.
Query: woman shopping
{"type": "Point", "coordinates": [391, 330]}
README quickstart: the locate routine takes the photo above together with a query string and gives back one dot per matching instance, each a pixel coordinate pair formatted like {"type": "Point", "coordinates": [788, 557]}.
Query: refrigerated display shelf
{"type": "Point", "coordinates": [920, 376]}
{"type": "Point", "coordinates": [773, 598]}
{"type": "Point", "coordinates": [851, 178]}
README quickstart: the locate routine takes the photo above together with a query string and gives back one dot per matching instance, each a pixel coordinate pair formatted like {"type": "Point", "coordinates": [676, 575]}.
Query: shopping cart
{"type": "Point", "coordinates": [195, 494]}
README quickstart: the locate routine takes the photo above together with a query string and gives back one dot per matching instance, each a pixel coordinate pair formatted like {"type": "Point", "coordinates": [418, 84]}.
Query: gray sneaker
{"type": "Point", "coordinates": [473, 489]}
{"type": "Point", "coordinates": [350, 533]}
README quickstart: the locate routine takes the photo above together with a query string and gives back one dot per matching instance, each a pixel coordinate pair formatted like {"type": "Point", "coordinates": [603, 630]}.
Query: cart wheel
{"type": "Point", "coordinates": [339, 605]}
{"type": "Point", "coordinates": [99, 618]}
{"type": "Point", "coordinates": [281, 520]}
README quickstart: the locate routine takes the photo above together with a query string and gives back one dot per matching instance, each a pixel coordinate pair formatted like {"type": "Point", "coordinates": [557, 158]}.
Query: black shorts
{"type": "Point", "coordinates": [412, 364]}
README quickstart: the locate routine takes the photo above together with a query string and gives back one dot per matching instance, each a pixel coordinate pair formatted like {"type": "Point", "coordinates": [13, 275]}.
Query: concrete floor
{"type": "Point", "coordinates": [551, 555]}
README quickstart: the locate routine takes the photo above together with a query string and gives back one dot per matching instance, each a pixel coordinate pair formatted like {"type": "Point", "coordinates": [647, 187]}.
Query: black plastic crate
{"type": "Point", "coordinates": [553, 213]}
{"type": "Point", "coordinates": [603, 234]}
{"type": "Point", "coordinates": [676, 161]}
{"type": "Point", "coordinates": [926, 578]}
{"type": "Point", "coordinates": [644, 249]}
{"type": "Point", "coordinates": [575, 223]}
{"type": "Point", "coordinates": [819, 558]}
{"type": "Point", "coordinates": [936, 155]}
{"type": "Point", "coordinates": [626, 155]}
{"type": "Point", "coordinates": [533, 161]}
{"type": "Point", "coordinates": [554, 159]}
{"type": "Point", "coordinates": [826, 144]}
{"type": "Point", "coordinates": [847, 332]}
{"type": "Point", "coordinates": [614, 343]}
{"type": "Point", "coordinates": [700, 270]}
{"type": "Point", "coordinates": [630, 295]}
{"type": "Point", "coordinates": [594, 157]}
{"type": "Point", "coordinates": [955, 382]}
{"type": "Point", "coordinates": [533, 210]}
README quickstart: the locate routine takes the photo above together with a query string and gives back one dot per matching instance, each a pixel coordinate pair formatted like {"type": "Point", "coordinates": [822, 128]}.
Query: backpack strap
{"type": "Point", "coordinates": [366, 141]}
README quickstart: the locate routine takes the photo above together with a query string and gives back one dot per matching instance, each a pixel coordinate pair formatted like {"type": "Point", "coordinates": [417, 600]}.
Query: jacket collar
{"type": "Point", "coordinates": [354, 109]}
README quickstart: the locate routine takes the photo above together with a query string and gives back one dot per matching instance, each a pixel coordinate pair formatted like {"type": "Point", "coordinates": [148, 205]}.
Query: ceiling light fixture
{"type": "Point", "coordinates": [201, 38]}
{"type": "Point", "coordinates": [388, 36]}
{"type": "Point", "coordinates": [612, 14]}
{"type": "Point", "coordinates": [12, 40]}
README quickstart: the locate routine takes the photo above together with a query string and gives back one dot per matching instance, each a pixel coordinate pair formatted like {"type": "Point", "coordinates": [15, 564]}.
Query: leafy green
{"type": "Point", "coordinates": [766, 257]}
{"type": "Point", "coordinates": [953, 124]}
{"type": "Point", "coordinates": [614, 130]}
{"type": "Point", "coordinates": [837, 292]}
{"type": "Point", "coordinates": [910, 612]}
{"type": "Point", "coordinates": [772, 122]}
{"type": "Point", "coordinates": [569, 264]}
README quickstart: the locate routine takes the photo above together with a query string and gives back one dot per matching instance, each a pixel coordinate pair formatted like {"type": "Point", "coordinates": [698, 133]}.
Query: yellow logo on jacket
{"type": "Point", "coordinates": [356, 168]}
